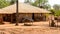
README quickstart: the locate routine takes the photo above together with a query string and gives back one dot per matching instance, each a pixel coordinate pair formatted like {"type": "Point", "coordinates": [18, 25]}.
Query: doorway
{"type": "Point", "coordinates": [7, 18]}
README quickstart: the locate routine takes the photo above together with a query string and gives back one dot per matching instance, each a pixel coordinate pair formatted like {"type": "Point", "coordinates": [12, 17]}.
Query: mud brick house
{"type": "Point", "coordinates": [25, 10]}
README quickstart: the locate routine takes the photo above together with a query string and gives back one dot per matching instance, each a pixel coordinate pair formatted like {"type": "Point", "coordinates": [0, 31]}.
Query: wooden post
{"type": "Point", "coordinates": [33, 16]}
{"type": "Point", "coordinates": [1, 19]}
{"type": "Point", "coordinates": [11, 18]}
{"type": "Point", "coordinates": [57, 23]}
{"type": "Point", "coordinates": [16, 13]}
{"type": "Point", "coordinates": [49, 22]}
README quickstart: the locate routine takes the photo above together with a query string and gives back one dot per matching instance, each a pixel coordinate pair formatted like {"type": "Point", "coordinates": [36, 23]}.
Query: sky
{"type": "Point", "coordinates": [51, 2]}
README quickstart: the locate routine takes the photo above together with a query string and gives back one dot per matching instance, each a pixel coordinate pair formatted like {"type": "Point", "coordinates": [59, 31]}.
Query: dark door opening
{"type": "Point", "coordinates": [14, 18]}
{"type": "Point", "coordinates": [7, 18]}
{"type": "Point", "coordinates": [33, 16]}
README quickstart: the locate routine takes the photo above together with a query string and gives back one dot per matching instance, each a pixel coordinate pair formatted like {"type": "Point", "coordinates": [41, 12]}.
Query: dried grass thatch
{"type": "Point", "coordinates": [24, 8]}
{"type": "Point", "coordinates": [4, 12]}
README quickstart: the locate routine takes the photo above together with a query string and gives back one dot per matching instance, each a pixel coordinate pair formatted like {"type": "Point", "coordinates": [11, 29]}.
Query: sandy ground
{"type": "Point", "coordinates": [37, 28]}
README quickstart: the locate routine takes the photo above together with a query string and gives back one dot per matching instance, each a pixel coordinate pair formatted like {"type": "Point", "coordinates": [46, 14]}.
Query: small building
{"type": "Point", "coordinates": [25, 10]}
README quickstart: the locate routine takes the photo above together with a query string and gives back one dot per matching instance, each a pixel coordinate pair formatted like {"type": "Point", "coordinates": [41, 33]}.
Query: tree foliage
{"type": "Point", "coordinates": [42, 4]}
{"type": "Point", "coordinates": [55, 12]}
{"type": "Point", "coordinates": [12, 1]}
{"type": "Point", "coordinates": [4, 3]}
{"type": "Point", "coordinates": [56, 7]}
{"type": "Point", "coordinates": [47, 6]}
{"type": "Point", "coordinates": [28, 1]}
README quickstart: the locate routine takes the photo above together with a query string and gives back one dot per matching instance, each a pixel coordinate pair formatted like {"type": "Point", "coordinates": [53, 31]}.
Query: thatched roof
{"type": "Point", "coordinates": [3, 12]}
{"type": "Point", "coordinates": [24, 8]}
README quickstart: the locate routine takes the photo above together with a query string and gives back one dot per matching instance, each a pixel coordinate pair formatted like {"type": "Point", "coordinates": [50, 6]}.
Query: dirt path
{"type": "Point", "coordinates": [37, 28]}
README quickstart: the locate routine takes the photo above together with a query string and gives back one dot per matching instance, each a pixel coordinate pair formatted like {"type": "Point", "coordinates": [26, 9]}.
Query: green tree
{"type": "Point", "coordinates": [40, 2]}
{"type": "Point", "coordinates": [4, 3]}
{"type": "Point", "coordinates": [52, 11]}
{"type": "Point", "coordinates": [28, 1]}
{"type": "Point", "coordinates": [56, 7]}
{"type": "Point", "coordinates": [55, 12]}
{"type": "Point", "coordinates": [47, 6]}
{"type": "Point", "coordinates": [12, 1]}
